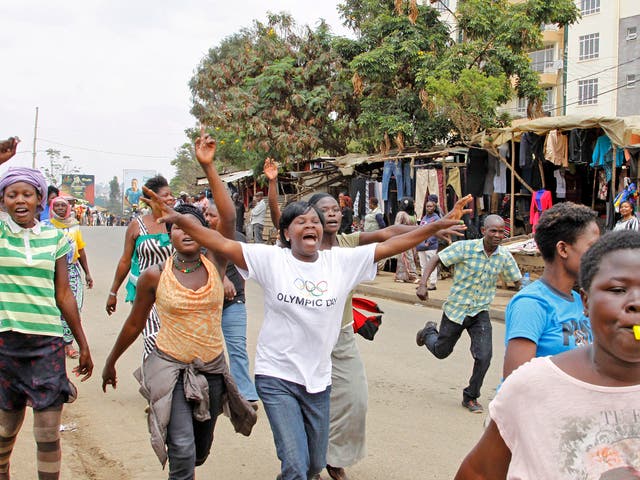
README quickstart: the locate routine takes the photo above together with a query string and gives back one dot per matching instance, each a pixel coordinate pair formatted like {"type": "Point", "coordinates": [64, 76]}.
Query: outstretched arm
{"type": "Point", "coordinates": [271, 172]}
{"type": "Point", "coordinates": [394, 230]}
{"type": "Point", "coordinates": [210, 239]}
{"type": "Point", "coordinates": [489, 459]}
{"type": "Point", "coordinates": [408, 240]}
{"type": "Point", "coordinates": [134, 324]}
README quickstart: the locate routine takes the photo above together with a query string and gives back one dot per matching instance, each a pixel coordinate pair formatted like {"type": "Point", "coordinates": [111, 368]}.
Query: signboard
{"type": "Point", "coordinates": [79, 186]}
{"type": "Point", "coordinates": [133, 181]}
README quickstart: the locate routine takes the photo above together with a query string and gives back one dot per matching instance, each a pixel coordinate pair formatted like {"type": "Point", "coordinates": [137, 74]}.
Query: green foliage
{"type": "Point", "coordinates": [276, 88]}
{"type": "Point", "coordinates": [58, 165]}
{"type": "Point", "coordinates": [187, 170]}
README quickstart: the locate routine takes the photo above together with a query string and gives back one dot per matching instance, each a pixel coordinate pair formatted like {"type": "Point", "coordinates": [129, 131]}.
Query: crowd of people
{"type": "Point", "coordinates": [570, 346]}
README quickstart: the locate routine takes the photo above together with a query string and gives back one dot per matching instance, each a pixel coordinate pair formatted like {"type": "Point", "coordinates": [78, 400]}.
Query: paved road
{"type": "Point", "coordinates": [416, 426]}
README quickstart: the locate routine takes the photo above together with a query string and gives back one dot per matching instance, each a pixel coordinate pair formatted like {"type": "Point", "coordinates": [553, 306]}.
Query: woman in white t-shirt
{"type": "Point", "coordinates": [575, 415]}
{"type": "Point", "coordinates": [305, 290]}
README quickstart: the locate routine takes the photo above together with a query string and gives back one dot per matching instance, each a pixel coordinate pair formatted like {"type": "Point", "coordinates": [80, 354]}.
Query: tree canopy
{"type": "Point", "coordinates": [405, 78]}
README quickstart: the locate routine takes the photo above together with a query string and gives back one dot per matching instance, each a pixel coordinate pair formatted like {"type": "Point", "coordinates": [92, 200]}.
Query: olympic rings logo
{"type": "Point", "coordinates": [316, 290]}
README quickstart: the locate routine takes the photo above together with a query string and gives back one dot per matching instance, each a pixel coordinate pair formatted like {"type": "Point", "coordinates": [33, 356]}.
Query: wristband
{"type": "Point", "coordinates": [113, 294]}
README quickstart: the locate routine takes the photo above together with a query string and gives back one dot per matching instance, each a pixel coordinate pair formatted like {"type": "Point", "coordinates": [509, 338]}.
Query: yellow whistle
{"type": "Point", "coordinates": [636, 331]}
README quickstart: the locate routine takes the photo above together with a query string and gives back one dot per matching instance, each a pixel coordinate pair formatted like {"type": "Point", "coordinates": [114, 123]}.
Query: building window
{"type": "Point", "coordinates": [548, 104]}
{"type": "Point", "coordinates": [440, 5]}
{"type": "Point", "coordinates": [589, 46]}
{"type": "Point", "coordinates": [542, 60]}
{"type": "Point", "coordinates": [522, 105]}
{"type": "Point", "coordinates": [588, 92]}
{"type": "Point", "coordinates": [632, 33]}
{"type": "Point", "coordinates": [631, 80]}
{"type": "Point", "coordinates": [590, 6]}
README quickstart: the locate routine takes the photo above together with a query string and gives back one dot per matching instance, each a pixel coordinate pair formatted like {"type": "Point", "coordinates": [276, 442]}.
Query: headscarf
{"type": "Point", "coordinates": [67, 220]}
{"type": "Point", "coordinates": [27, 175]}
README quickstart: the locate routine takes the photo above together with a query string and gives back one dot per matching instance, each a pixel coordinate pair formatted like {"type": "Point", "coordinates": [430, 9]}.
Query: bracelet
{"type": "Point", "coordinates": [113, 294]}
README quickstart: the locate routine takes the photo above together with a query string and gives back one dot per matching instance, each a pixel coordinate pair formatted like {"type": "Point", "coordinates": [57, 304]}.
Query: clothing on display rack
{"type": "Point", "coordinates": [401, 171]}
{"type": "Point", "coordinates": [580, 146]}
{"type": "Point", "coordinates": [476, 171]}
{"type": "Point", "coordinates": [561, 184]}
{"type": "Point", "coordinates": [603, 155]}
{"type": "Point", "coordinates": [492, 168]}
{"type": "Point", "coordinates": [556, 148]}
{"type": "Point", "coordinates": [540, 201]}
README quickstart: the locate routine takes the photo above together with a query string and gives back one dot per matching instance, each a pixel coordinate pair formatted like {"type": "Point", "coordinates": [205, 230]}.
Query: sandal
{"type": "Point", "coordinates": [71, 352]}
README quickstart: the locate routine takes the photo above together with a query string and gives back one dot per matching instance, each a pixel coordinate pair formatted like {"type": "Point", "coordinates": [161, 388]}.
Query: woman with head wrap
{"type": "Point", "coordinates": [35, 292]}
{"type": "Point", "coordinates": [60, 217]}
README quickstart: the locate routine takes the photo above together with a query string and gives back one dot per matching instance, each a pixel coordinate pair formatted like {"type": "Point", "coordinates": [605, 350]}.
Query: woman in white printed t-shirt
{"type": "Point", "coordinates": [305, 290]}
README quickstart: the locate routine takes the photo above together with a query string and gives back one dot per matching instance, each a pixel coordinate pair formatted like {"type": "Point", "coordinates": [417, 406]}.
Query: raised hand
{"type": "Point", "coordinates": [163, 212]}
{"type": "Point", "coordinates": [205, 148]}
{"type": "Point", "coordinates": [8, 148]}
{"type": "Point", "coordinates": [458, 209]}
{"type": "Point", "coordinates": [270, 168]}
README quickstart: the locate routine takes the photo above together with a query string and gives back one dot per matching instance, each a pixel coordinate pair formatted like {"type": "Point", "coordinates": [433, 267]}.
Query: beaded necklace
{"type": "Point", "coordinates": [186, 269]}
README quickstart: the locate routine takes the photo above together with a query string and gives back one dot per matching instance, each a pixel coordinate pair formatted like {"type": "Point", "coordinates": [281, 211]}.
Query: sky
{"type": "Point", "coordinates": [110, 77]}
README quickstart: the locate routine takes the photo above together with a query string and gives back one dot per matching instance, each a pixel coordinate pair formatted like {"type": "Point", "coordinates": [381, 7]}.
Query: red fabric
{"type": "Point", "coordinates": [540, 201]}
{"type": "Point", "coordinates": [367, 326]}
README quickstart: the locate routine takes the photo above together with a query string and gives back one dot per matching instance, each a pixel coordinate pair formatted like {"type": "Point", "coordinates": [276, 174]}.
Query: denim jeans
{"type": "Point", "coordinates": [479, 329]}
{"type": "Point", "coordinates": [189, 441]}
{"type": "Point", "coordinates": [300, 425]}
{"type": "Point", "coordinates": [402, 173]}
{"type": "Point", "coordinates": [257, 232]}
{"type": "Point", "coordinates": [234, 328]}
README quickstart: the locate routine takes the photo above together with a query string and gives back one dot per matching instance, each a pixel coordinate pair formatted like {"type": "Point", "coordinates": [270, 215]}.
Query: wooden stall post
{"type": "Point", "coordinates": [512, 205]}
{"type": "Point", "coordinates": [614, 184]}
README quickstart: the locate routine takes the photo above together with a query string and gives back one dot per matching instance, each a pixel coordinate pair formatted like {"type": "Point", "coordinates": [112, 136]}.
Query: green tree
{"type": "Point", "coordinates": [115, 196]}
{"type": "Point", "coordinates": [187, 170]}
{"type": "Point", "coordinates": [58, 165]}
{"type": "Point", "coordinates": [417, 84]}
{"type": "Point", "coordinates": [277, 89]}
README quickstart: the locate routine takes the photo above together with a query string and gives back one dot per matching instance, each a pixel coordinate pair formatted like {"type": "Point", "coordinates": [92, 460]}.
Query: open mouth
{"type": "Point", "coordinates": [310, 236]}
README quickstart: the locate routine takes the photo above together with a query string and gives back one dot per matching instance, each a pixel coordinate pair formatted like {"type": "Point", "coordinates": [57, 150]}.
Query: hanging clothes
{"type": "Point", "coordinates": [561, 184]}
{"type": "Point", "coordinates": [426, 183]}
{"type": "Point", "coordinates": [580, 149]}
{"type": "Point", "coordinates": [603, 155]}
{"type": "Point", "coordinates": [476, 171]}
{"type": "Point", "coordinates": [540, 201]}
{"type": "Point", "coordinates": [492, 168]}
{"type": "Point", "coordinates": [453, 179]}
{"type": "Point", "coordinates": [556, 148]}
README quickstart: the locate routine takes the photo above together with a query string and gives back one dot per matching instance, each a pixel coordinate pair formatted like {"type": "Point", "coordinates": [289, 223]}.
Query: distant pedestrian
{"type": "Point", "coordinates": [258, 214]}
{"type": "Point", "coordinates": [478, 263]}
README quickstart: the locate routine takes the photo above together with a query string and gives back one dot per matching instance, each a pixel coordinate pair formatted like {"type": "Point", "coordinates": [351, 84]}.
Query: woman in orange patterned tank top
{"type": "Point", "coordinates": [186, 378]}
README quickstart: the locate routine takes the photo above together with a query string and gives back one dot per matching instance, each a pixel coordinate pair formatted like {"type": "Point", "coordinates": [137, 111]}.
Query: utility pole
{"type": "Point", "coordinates": [35, 136]}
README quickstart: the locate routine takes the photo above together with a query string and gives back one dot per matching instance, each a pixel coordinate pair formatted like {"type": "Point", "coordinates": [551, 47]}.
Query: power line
{"type": "Point", "coordinates": [87, 149]}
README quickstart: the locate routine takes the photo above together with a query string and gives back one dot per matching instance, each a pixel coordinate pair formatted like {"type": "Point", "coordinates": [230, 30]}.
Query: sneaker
{"type": "Point", "coordinates": [473, 406]}
{"type": "Point", "coordinates": [429, 327]}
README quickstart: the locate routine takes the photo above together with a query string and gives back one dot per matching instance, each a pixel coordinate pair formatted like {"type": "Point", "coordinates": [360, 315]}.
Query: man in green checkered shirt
{"type": "Point", "coordinates": [478, 263]}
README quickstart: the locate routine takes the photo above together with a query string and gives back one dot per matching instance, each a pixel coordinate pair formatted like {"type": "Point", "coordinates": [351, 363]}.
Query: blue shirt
{"type": "Point", "coordinates": [551, 321]}
{"type": "Point", "coordinates": [430, 243]}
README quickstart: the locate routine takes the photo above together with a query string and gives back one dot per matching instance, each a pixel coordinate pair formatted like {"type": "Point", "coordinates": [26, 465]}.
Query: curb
{"type": "Point", "coordinates": [496, 314]}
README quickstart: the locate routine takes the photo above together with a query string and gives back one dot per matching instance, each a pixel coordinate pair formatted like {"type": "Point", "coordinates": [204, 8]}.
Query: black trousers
{"type": "Point", "coordinates": [479, 329]}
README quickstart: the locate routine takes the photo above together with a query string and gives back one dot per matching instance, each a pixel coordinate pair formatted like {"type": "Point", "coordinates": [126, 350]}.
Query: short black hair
{"type": "Point", "coordinates": [289, 214]}
{"type": "Point", "coordinates": [608, 243]}
{"type": "Point", "coordinates": [52, 189]}
{"type": "Point", "coordinates": [187, 209]}
{"type": "Point", "coordinates": [156, 183]}
{"type": "Point", "coordinates": [564, 222]}
{"type": "Point", "coordinates": [628, 202]}
{"type": "Point", "coordinates": [407, 205]}
{"type": "Point", "coordinates": [374, 201]}
{"type": "Point", "coordinates": [316, 197]}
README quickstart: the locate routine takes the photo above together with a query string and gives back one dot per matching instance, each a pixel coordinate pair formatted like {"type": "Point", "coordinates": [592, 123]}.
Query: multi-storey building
{"type": "Point", "coordinates": [590, 68]}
